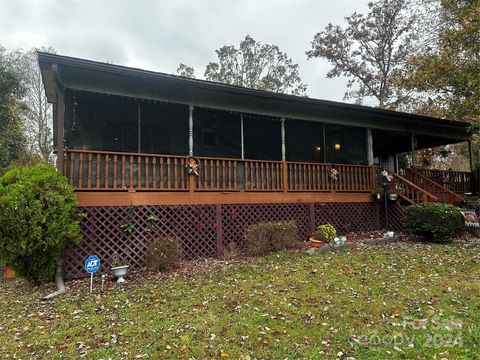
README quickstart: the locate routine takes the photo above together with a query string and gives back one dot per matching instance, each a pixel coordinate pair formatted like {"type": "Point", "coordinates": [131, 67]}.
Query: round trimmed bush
{"type": "Point", "coordinates": [436, 222]}
{"type": "Point", "coordinates": [38, 217]}
{"type": "Point", "coordinates": [267, 237]}
{"type": "Point", "coordinates": [163, 253]}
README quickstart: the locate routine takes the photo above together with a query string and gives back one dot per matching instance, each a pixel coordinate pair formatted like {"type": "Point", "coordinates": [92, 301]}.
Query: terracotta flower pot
{"type": "Point", "coordinates": [9, 273]}
{"type": "Point", "coordinates": [316, 243]}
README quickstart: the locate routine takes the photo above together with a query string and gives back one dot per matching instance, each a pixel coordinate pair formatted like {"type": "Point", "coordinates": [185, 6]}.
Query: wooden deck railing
{"type": "Point", "coordinates": [114, 171]}
{"type": "Point", "coordinates": [103, 170]}
{"type": "Point", "coordinates": [441, 192]}
{"type": "Point", "coordinates": [217, 174]}
{"type": "Point", "coordinates": [317, 177]}
{"type": "Point", "coordinates": [456, 181]}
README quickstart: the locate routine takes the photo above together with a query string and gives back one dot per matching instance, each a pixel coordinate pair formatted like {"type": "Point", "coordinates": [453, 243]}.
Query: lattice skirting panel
{"type": "Point", "coordinates": [205, 230]}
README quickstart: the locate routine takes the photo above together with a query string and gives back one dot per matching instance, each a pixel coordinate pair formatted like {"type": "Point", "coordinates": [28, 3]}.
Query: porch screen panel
{"type": "Point", "coordinates": [262, 138]}
{"type": "Point", "coordinates": [164, 128]}
{"type": "Point", "coordinates": [304, 141]}
{"type": "Point", "coordinates": [216, 133]}
{"type": "Point", "coordinates": [100, 122]}
{"type": "Point", "coordinates": [345, 145]}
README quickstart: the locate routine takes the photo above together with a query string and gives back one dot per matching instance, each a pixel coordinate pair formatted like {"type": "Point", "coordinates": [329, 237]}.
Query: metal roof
{"type": "Point", "coordinates": [88, 75]}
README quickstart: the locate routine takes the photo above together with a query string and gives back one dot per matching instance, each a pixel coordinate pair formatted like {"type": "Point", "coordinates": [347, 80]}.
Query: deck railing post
{"type": "Point", "coordinates": [373, 177]}
{"type": "Point", "coordinates": [191, 182]}
{"type": "Point", "coordinates": [311, 208]}
{"type": "Point", "coordinates": [218, 221]}
{"type": "Point", "coordinates": [284, 176]}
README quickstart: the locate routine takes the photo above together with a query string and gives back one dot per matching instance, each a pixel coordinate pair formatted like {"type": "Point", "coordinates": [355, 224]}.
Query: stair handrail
{"type": "Point", "coordinates": [426, 196]}
{"type": "Point", "coordinates": [452, 194]}
{"type": "Point", "coordinates": [462, 186]}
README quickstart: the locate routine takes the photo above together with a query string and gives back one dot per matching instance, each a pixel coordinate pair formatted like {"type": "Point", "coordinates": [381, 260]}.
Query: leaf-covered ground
{"type": "Point", "coordinates": [405, 301]}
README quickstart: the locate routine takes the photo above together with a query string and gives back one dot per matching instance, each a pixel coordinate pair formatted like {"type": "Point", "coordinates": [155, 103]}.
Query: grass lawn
{"type": "Point", "coordinates": [405, 301]}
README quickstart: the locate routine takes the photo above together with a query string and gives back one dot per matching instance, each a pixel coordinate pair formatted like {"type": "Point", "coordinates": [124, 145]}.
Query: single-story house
{"type": "Point", "coordinates": [204, 160]}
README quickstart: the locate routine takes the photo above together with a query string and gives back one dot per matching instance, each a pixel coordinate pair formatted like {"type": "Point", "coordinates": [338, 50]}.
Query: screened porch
{"type": "Point", "coordinates": [116, 143]}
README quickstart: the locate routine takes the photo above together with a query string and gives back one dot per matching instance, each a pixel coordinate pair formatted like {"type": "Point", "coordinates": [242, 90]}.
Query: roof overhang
{"type": "Point", "coordinates": [79, 74]}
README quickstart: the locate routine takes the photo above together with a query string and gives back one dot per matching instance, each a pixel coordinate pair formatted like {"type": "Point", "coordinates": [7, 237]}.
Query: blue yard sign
{"type": "Point", "coordinates": [92, 264]}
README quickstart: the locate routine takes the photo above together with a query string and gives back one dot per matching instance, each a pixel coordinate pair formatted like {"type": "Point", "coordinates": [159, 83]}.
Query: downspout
{"type": "Point", "coordinates": [58, 281]}
{"type": "Point", "coordinates": [60, 113]}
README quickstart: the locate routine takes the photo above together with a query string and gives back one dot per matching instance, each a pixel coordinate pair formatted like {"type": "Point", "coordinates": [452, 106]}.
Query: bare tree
{"type": "Point", "coordinates": [370, 51]}
{"type": "Point", "coordinates": [36, 111]}
{"type": "Point", "coordinates": [257, 66]}
{"type": "Point", "coordinates": [38, 118]}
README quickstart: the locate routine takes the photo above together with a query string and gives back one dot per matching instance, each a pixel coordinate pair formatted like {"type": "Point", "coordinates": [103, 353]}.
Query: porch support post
{"type": "Point", "coordinates": [190, 130]}
{"type": "Point", "coordinates": [470, 155]}
{"type": "Point", "coordinates": [282, 120]}
{"type": "Point", "coordinates": [139, 124]}
{"type": "Point", "coordinates": [324, 144]}
{"type": "Point", "coordinates": [284, 162]}
{"type": "Point", "coordinates": [241, 136]}
{"type": "Point", "coordinates": [412, 143]}
{"type": "Point", "coordinates": [369, 147]}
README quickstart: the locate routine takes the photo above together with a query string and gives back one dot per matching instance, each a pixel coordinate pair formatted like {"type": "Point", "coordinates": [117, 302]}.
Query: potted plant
{"type": "Point", "coordinates": [392, 195]}
{"type": "Point", "coordinates": [323, 235]}
{"type": "Point", "coordinates": [119, 268]}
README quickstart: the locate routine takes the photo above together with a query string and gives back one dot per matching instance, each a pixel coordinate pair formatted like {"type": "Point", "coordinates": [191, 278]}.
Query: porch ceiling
{"type": "Point", "coordinates": [385, 142]}
{"type": "Point", "coordinates": [118, 80]}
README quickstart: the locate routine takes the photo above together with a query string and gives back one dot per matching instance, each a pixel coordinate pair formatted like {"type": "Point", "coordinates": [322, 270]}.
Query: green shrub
{"type": "Point", "coordinates": [263, 238]}
{"type": "Point", "coordinates": [436, 222]}
{"type": "Point", "coordinates": [37, 219]}
{"type": "Point", "coordinates": [163, 253]}
{"type": "Point", "coordinates": [325, 232]}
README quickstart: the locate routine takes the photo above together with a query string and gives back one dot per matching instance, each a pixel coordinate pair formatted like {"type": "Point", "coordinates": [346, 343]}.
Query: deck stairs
{"type": "Point", "coordinates": [414, 188]}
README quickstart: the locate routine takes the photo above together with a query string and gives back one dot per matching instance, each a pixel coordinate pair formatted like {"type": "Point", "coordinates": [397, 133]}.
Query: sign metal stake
{"type": "Point", "coordinates": [92, 264]}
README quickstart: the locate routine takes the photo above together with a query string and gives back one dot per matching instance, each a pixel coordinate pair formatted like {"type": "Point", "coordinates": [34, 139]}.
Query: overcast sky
{"type": "Point", "coordinates": [158, 35]}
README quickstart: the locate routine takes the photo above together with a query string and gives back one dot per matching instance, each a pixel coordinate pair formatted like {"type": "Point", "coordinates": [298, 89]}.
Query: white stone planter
{"type": "Point", "coordinates": [119, 272]}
